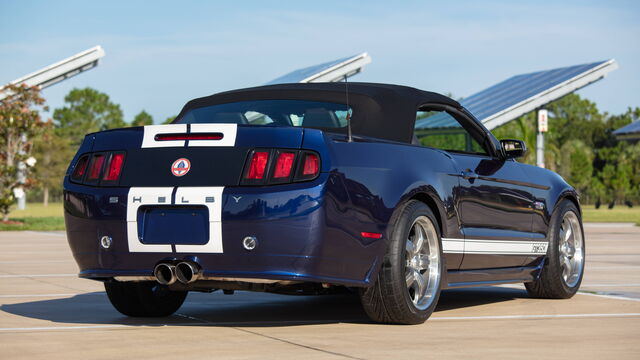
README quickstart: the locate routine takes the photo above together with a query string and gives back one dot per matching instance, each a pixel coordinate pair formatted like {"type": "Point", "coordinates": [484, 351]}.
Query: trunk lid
{"type": "Point", "coordinates": [150, 162]}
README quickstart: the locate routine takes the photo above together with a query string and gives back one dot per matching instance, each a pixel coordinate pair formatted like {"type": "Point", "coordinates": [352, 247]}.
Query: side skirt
{"type": "Point", "coordinates": [467, 278]}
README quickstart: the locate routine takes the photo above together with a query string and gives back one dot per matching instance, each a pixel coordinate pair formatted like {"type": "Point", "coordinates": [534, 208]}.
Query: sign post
{"type": "Point", "coordinates": [542, 128]}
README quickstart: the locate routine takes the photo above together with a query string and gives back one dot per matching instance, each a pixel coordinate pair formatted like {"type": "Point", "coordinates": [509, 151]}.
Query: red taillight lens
{"type": "Point", "coordinates": [194, 136]}
{"type": "Point", "coordinates": [258, 165]}
{"type": "Point", "coordinates": [114, 168]}
{"type": "Point", "coordinates": [81, 168]}
{"type": "Point", "coordinates": [96, 165]}
{"type": "Point", "coordinates": [284, 165]}
{"type": "Point", "coordinates": [311, 165]}
{"type": "Point", "coordinates": [371, 235]}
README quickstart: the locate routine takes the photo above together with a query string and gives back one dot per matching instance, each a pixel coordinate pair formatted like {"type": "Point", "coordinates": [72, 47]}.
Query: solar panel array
{"type": "Point", "coordinates": [301, 74]}
{"type": "Point", "coordinates": [508, 93]}
{"type": "Point", "coordinates": [632, 128]}
{"type": "Point", "coordinates": [519, 88]}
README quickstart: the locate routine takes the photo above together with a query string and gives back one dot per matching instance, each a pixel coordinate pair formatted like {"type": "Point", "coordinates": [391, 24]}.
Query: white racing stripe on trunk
{"type": "Point", "coordinates": [137, 197]}
{"type": "Point", "coordinates": [150, 132]}
{"type": "Point", "coordinates": [211, 197]}
{"type": "Point", "coordinates": [228, 131]}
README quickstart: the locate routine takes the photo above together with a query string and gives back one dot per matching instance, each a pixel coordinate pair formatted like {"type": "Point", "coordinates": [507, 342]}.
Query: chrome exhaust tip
{"type": "Point", "coordinates": [187, 272]}
{"type": "Point", "coordinates": [165, 273]}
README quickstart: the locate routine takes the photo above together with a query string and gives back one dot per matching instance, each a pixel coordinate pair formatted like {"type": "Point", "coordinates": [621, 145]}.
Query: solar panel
{"type": "Point", "coordinates": [632, 128]}
{"type": "Point", "coordinates": [520, 94]}
{"type": "Point", "coordinates": [330, 71]}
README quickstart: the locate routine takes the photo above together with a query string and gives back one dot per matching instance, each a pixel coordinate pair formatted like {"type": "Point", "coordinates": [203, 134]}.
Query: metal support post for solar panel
{"type": "Point", "coordinates": [542, 128]}
{"type": "Point", "coordinates": [22, 178]}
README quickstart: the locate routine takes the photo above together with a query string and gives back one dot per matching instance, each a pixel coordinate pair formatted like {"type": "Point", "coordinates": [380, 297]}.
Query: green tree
{"type": "Point", "coordinates": [19, 123]}
{"type": "Point", "coordinates": [86, 110]}
{"type": "Point", "coordinates": [142, 119]}
{"type": "Point", "coordinates": [53, 152]}
{"type": "Point", "coordinates": [580, 146]}
{"type": "Point", "coordinates": [169, 119]}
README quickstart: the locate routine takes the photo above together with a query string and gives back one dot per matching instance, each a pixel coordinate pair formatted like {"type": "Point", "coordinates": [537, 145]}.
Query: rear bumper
{"type": "Point", "coordinates": [301, 236]}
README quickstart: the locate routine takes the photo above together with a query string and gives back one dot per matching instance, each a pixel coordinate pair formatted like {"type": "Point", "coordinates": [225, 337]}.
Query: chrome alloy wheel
{"type": "Point", "coordinates": [422, 270]}
{"type": "Point", "coordinates": [571, 249]}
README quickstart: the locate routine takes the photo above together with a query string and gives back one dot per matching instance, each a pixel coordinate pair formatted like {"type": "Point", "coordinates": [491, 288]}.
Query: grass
{"type": "Point", "coordinates": [41, 218]}
{"type": "Point", "coordinates": [36, 217]}
{"type": "Point", "coordinates": [47, 223]}
{"type": "Point", "coordinates": [617, 214]}
{"type": "Point", "coordinates": [38, 210]}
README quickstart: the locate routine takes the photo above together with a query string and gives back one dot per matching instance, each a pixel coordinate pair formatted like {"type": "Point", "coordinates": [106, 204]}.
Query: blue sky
{"type": "Point", "coordinates": [161, 54]}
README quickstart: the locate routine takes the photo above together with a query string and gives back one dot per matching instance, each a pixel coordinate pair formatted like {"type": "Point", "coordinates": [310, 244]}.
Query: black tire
{"type": "Point", "coordinates": [551, 283]}
{"type": "Point", "coordinates": [389, 300]}
{"type": "Point", "coordinates": [144, 299]}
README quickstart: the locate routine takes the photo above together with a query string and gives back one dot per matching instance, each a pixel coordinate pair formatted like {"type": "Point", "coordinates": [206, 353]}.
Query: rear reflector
{"type": "Point", "coordinates": [195, 136]}
{"type": "Point", "coordinates": [284, 165]}
{"type": "Point", "coordinates": [114, 167]}
{"type": "Point", "coordinates": [81, 168]}
{"type": "Point", "coordinates": [258, 165]}
{"type": "Point", "coordinates": [311, 165]}
{"type": "Point", "coordinates": [96, 166]}
{"type": "Point", "coordinates": [371, 235]}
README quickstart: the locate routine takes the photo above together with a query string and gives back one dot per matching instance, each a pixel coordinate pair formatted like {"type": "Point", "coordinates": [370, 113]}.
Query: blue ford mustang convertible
{"type": "Point", "coordinates": [389, 191]}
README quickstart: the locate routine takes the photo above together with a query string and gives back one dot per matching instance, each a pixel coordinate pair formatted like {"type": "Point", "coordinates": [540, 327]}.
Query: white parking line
{"type": "Point", "coordinates": [298, 322]}
{"type": "Point", "coordinates": [34, 262]}
{"type": "Point", "coordinates": [82, 327]}
{"type": "Point", "coordinates": [608, 296]}
{"type": "Point", "coordinates": [9, 276]}
{"type": "Point", "coordinates": [47, 233]}
{"type": "Point", "coordinates": [50, 295]}
{"type": "Point", "coordinates": [542, 316]}
{"type": "Point", "coordinates": [609, 285]}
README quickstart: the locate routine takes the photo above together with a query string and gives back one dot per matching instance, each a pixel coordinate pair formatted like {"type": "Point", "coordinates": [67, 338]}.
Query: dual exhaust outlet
{"type": "Point", "coordinates": [185, 272]}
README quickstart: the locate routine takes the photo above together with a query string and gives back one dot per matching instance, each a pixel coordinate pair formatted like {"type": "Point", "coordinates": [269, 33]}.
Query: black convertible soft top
{"type": "Point", "coordinates": [380, 110]}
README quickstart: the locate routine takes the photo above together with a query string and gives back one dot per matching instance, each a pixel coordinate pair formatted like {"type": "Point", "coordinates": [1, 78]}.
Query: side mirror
{"type": "Point", "coordinates": [512, 149]}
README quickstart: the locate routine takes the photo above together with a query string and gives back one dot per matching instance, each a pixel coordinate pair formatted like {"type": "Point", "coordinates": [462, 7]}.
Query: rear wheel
{"type": "Point", "coordinates": [563, 269]}
{"type": "Point", "coordinates": [144, 299]}
{"type": "Point", "coordinates": [407, 288]}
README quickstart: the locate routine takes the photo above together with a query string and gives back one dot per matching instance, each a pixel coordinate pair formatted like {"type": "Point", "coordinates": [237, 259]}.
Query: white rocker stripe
{"type": "Point", "coordinates": [494, 247]}
{"type": "Point", "coordinates": [453, 246]}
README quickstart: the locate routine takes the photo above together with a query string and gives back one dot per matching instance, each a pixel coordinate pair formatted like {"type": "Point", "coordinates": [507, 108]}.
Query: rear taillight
{"type": "Point", "coordinates": [311, 165]}
{"type": "Point", "coordinates": [95, 167]}
{"type": "Point", "coordinates": [114, 167]}
{"type": "Point", "coordinates": [275, 166]}
{"type": "Point", "coordinates": [81, 168]}
{"type": "Point", "coordinates": [284, 165]}
{"type": "Point", "coordinates": [257, 165]}
{"type": "Point", "coordinates": [102, 168]}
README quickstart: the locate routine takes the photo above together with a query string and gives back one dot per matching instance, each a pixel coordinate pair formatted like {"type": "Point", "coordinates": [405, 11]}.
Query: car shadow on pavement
{"type": "Point", "coordinates": [245, 309]}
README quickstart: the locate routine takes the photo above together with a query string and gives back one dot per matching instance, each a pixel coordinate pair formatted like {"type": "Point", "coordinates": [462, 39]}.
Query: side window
{"type": "Point", "coordinates": [440, 130]}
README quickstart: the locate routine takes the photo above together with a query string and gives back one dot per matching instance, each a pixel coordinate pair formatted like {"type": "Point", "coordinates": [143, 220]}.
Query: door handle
{"type": "Point", "coordinates": [469, 174]}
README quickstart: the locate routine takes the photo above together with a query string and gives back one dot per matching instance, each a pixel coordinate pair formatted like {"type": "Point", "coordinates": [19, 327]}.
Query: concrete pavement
{"type": "Point", "coordinates": [46, 311]}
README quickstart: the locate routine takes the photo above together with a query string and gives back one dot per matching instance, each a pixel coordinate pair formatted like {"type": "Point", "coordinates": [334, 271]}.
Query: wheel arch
{"type": "Point", "coordinates": [570, 195]}
{"type": "Point", "coordinates": [428, 200]}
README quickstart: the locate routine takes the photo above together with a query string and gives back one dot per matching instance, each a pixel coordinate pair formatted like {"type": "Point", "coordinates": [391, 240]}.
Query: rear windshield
{"type": "Point", "coordinates": [271, 113]}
